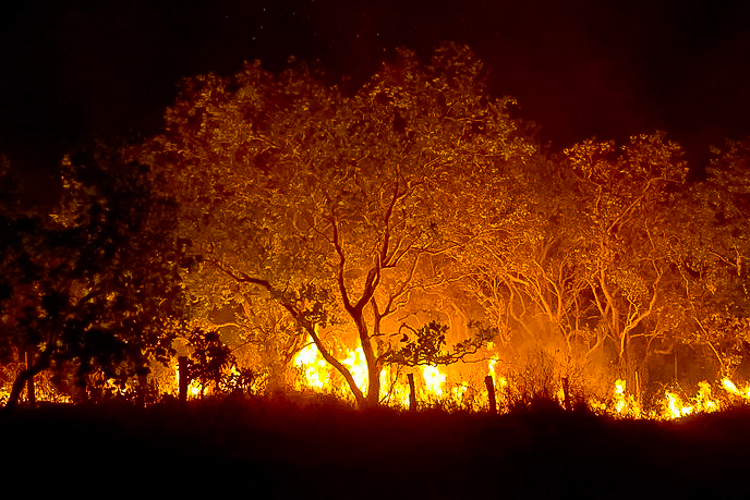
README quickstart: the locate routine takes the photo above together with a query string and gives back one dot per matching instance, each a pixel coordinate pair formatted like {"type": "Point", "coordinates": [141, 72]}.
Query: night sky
{"type": "Point", "coordinates": [75, 70]}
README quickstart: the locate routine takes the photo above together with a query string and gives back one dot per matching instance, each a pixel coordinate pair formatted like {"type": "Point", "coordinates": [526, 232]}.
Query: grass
{"type": "Point", "coordinates": [279, 449]}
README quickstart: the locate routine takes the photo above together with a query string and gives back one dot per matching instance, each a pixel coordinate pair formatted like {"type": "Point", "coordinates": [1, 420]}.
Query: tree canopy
{"type": "Point", "coordinates": [339, 208]}
{"type": "Point", "coordinates": [92, 291]}
{"type": "Point", "coordinates": [338, 217]}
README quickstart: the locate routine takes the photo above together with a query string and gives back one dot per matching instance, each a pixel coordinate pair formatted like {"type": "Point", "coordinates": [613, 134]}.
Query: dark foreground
{"type": "Point", "coordinates": [279, 450]}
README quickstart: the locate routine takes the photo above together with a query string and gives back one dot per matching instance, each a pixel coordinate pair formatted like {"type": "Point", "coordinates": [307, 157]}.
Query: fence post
{"type": "Point", "coordinates": [182, 367]}
{"type": "Point", "coordinates": [141, 390]}
{"type": "Point", "coordinates": [566, 393]}
{"type": "Point", "coordinates": [30, 391]}
{"type": "Point", "coordinates": [412, 393]}
{"type": "Point", "coordinates": [490, 384]}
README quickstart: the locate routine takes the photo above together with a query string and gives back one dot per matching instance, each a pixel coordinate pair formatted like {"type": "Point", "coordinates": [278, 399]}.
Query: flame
{"type": "Point", "coordinates": [704, 400]}
{"type": "Point", "coordinates": [468, 391]}
{"type": "Point", "coordinates": [398, 394]}
{"type": "Point", "coordinates": [625, 404]}
{"type": "Point", "coordinates": [502, 383]}
{"type": "Point", "coordinates": [460, 392]}
{"type": "Point", "coordinates": [433, 380]}
{"type": "Point", "coordinates": [357, 365]}
{"type": "Point", "coordinates": [732, 389]}
{"type": "Point", "coordinates": [730, 386]}
{"type": "Point", "coordinates": [674, 407]}
{"type": "Point", "coordinates": [194, 389]}
{"type": "Point", "coordinates": [315, 375]}
{"type": "Point", "coordinates": [313, 367]}
{"type": "Point", "coordinates": [491, 364]}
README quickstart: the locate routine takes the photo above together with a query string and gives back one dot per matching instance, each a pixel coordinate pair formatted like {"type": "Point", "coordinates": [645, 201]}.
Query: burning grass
{"type": "Point", "coordinates": [279, 448]}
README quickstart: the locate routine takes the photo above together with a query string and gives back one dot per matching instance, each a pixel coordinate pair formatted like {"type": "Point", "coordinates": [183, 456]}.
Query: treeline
{"type": "Point", "coordinates": [279, 209]}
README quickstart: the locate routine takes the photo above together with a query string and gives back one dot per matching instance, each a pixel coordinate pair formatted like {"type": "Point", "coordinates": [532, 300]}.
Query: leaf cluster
{"type": "Point", "coordinates": [425, 346]}
{"type": "Point", "coordinates": [94, 287]}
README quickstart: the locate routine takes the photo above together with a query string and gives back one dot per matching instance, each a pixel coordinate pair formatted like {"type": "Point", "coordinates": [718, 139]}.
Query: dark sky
{"type": "Point", "coordinates": [76, 69]}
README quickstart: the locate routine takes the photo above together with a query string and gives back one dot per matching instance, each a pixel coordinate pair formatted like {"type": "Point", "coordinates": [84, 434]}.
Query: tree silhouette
{"type": "Point", "coordinates": [93, 290]}
{"type": "Point", "coordinates": [212, 361]}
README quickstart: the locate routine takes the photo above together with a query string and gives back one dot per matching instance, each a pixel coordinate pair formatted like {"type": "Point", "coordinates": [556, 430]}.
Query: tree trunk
{"type": "Point", "coordinates": [373, 372]}
{"type": "Point", "coordinates": [490, 384]}
{"type": "Point", "coordinates": [362, 400]}
{"type": "Point", "coordinates": [373, 386]}
{"type": "Point", "coordinates": [566, 394]}
{"type": "Point", "coordinates": [30, 392]}
{"type": "Point", "coordinates": [15, 391]}
{"type": "Point", "coordinates": [412, 393]}
{"type": "Point", "coordinates": [182, 363]}
{"type": "Point", "coordinates": [42, 363]}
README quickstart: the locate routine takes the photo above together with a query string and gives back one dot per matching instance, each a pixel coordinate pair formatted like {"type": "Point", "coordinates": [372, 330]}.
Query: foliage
{"type": "Point", "coordinates": [92, 291]}
{"type": "Point", "coordinates": [626, 232]}
{"type": "Point", "coordinates": [212, 361]}
{"type": "Point", "coordinates": [416, 205]}
{"type": "Point", "coordinates": [424, 346]}
{"type": "Point", "coordinates": [602, 267]}
{"type": "Point", "coordinates": [714, 253]}
{"type": "Point", "coordinates": [336, 208]}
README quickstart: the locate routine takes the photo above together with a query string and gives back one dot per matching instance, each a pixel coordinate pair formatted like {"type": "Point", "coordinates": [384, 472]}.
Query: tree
{"type": "Point", "coordinates": [587, 266]}
{"type": "Point", "coordinates": [625, 234]}
{"type": "Point", "coordinates": [212, 361]}
{"type": "Point", "coordinates": [527, 275]}
{"type": "Point", "coordinates": [93, 291]}
{"type": "Point", "coordinates": [338, 208]}
{"type": "Point", "coordinates": [714, 256]}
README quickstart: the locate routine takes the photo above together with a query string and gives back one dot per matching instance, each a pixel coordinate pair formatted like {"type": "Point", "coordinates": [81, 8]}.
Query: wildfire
{"type": "Point", "coordinates": [621, 403]}
{"type": "Point", "coordinates": [393, 391]}
{"type": "Point", "coordinates": [357, 366]}
{"type": "Point", "coordinates": [433, 380]}
{"type": "Point", "coordinates": [732, 389]}
{"type": "Point", "coordinates": [674, 407]}
{"type": "Point", "coordinates": [625, 404]}
{"type": "Point", "coordinates": [313, 366]}
{"type": "Point", "coordinates": [315, 374]}
{"type": "Point", "coordinates": [491, 364]}
{"type": "Point", "coordinates": [702, 402]}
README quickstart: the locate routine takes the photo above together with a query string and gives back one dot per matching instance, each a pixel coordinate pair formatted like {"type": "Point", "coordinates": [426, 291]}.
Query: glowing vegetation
{"type": "Point", "coordinates": [411, 229]}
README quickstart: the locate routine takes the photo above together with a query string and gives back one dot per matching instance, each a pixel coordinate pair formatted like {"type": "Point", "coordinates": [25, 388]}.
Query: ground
{"type": "Point", "coordinates": [278, 449]}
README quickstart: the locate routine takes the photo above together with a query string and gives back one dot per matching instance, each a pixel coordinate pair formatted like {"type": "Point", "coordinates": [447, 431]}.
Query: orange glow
{"type": "Point", "coordinates": [624, 404]}
{"type": "Point", "coordinates": [674, 407]}
{"type": "Point", "coordinates": [434, 380]}
{"type": "Point", "coordinates": [356, 364]}
{"type": "Point", "coordinates": [438, 385]}
{"type": "Point", "coordinates": [314, 369]}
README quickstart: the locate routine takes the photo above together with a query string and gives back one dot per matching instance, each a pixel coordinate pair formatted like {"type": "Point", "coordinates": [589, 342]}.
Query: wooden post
{"type": "Point", "coordinates": [491, 394]}
{"type": "Point", "coordinates": [566, 393]}
{"type": "Point", "coordinates": [30, 392]}
{"type": "Point", "coordinates": [182, 366]}
{"type": "Point", "coordinates": [412, 393]}
{"type": "Point", "coordinates": [142, 389]}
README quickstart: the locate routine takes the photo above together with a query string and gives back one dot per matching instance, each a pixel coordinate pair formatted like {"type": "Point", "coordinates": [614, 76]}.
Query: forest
{"type": "Point", "coordinates": [289, 234]}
